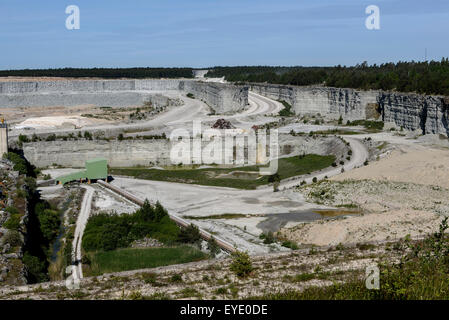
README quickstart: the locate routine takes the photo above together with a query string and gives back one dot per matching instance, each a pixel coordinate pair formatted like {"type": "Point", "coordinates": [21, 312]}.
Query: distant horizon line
{"type": "Point", "coordinates": [231, 66]}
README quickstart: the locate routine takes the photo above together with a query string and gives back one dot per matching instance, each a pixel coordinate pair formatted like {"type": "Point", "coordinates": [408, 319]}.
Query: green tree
{"type": "Point", "coordinates": [146, 212]}
{"type": "Point", "coordinates": [49, 221]}
{"type": "Point", "coordinates": [241, 264]}
{"type": "Point", "coordinates": [159, 212]}
{"type": "Point", "coordinates": [36, 268]}
{"type": "Point", "coordinates": [213, 247]}
{"type": "Point", "coordinates": [191, 234]}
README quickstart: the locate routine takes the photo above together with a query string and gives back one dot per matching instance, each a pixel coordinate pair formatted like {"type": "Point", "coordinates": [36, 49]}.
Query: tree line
{"type": "Point", "coordinates": [109, 73]}
{"type": "Point", "coordinates": [420, 77]}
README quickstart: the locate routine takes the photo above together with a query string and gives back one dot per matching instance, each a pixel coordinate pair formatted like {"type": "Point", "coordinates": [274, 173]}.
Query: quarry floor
{"type": "Point", "coordinates": [386, 211]}
{"type": "Point", "coordinates": [395, 200]}
{"type": "Point", "coordinates": [405, 191]}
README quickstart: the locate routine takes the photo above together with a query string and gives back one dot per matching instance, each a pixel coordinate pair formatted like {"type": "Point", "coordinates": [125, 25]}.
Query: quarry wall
{"type": "Point", "coordinates": [223, 98]}
{"type": "Point", "coordinates": [409, 111]}
{"type": "Point", "coordinates": [130, 153]}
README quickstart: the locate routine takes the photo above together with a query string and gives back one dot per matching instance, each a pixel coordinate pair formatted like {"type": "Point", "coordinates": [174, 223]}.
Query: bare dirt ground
{"type": "Point", "coordinates": [406, 192]}
{"type": "Point", "coordinates": [19, 114]}
{"type": "Point", "coordinates": [413, 164]}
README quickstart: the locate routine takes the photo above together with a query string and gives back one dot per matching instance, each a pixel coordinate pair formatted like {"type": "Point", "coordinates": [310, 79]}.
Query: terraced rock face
{"type": "Point", "coordinates": [223, 98]}
{"type": "Point", "coordinates": [131, 153]}
{"type": "Point", "coordinates": [410, 111]}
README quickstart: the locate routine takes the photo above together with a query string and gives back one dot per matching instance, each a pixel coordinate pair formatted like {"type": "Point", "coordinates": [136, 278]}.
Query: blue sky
{"type": "Point", "coordinates": [202, 33]}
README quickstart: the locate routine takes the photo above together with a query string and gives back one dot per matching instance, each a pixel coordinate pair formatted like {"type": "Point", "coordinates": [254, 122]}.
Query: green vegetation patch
{"type": "Point", "coordinates": [218, 216]}
{"type": "Point", "coordinates": [112, 231]}
{"type": "Point", "coordinates": [288, 167]}
{"type": "Point", "coordinates": [287, 111]}
{"type": "Point", "coordinates": [372, 126]}
{"type": "Point", "coordinates": [134, 259]}
{"type": "Point", "coordinates": [20, 164]}
{"type": "Point", "coordinates": [332, 132]}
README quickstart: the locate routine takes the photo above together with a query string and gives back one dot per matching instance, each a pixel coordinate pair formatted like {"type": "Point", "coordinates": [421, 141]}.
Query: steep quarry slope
{"type": "Point", "coordinates": [409, 111]}
{"type": "Point", "coordinates": [14, 219]}
{"type": "Point", "coordinates": [223, 98]}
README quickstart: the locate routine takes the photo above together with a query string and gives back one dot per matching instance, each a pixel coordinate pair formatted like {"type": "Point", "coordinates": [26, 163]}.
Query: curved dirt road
{"type": "Point", "coordinates": [358, 158]}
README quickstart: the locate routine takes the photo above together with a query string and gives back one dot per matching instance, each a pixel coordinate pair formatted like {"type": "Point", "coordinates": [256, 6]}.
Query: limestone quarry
{"type": "Point", "coordinates": [375, 185]}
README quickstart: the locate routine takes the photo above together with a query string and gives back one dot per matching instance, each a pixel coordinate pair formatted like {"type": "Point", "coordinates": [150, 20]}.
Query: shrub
{"type": "Point", "coordinates": [191, 234]}
{"type": "Point", "coordinates": [51, 137]}
{"type": "Point", "coordinates": [23, 139]}
{"type": "Point", "coordinates": [290, 245]}
{"type": "Point", "coordinates": [12, 210]}
{"type": "Point", "coordinates": [221, 290]}
{"type": "Point", "coordinates": [268, 238]}
{"type": "Point", "coordinates": [315, 180]}
{"type": "Point", "coordinates": [36, 268]}
{"type": "Point", "coordinates": [85, 259]}
{"type": "Point", "coordinates": [49, 220]}
{"type": "Point", "coordinates": [13, 238]}
{"type": "Point", "coordinates": [213, 247]}
{"type": "Point", "coordinates": [87, 135]}
{"type": "Point", "coordinates": [241, 264]}
{"type": "Point", "coordinates": [340, 120]}
{"type": "Point", "coordinates": [274, 178]}
{"type": "Point", "coordinates": [176, 278]}
{"type": "Point", "coordinates": [13, 223]}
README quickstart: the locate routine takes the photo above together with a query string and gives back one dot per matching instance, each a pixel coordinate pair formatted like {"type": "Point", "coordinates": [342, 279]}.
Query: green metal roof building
{"type": "Point", "coordinates": [95, 169]}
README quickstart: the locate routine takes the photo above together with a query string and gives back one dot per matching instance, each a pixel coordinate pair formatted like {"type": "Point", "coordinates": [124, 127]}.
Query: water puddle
{"type": "Point", "coordinates": [277, 221]}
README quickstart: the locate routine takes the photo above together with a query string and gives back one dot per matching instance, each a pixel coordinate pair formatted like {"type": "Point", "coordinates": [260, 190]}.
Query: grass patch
{"type": "Point", "coordinates": [382, 146]}
{"type": "Point", "coordinates": [218, 216]}
{"type": "Point", "coordinates": [348, 206]}
{"type": "Point", "coordinates": [134, 259]}
{"type": "Point", "coordinates": [287, 167]}
{"type": "Point", "coordinates": [334, 132]}
{"type": "Point", "coordinates": [336, 213]}
{"type": "Point", "coordinates": [371, 126]}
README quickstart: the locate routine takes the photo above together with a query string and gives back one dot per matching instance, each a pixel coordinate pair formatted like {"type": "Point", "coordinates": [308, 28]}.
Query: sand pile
{"type": "Point", "coordinates": [56, 122]}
